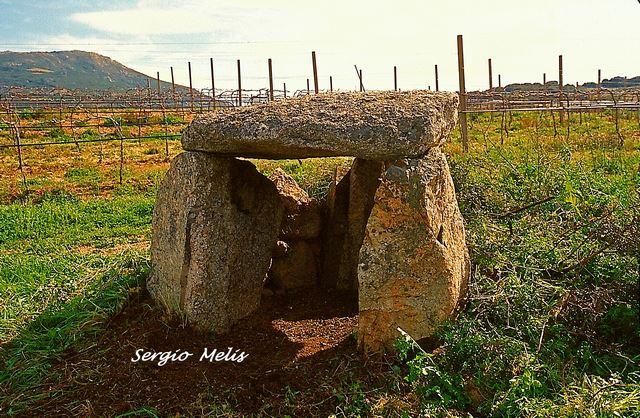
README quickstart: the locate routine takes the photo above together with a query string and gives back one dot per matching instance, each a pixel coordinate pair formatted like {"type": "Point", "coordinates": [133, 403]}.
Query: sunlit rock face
{"type": "Point", "coordinates": [414, 264]}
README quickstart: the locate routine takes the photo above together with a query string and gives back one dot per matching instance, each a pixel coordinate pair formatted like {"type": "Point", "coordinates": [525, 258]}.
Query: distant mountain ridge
{"type": "Point", "coordinates": [70, 70]}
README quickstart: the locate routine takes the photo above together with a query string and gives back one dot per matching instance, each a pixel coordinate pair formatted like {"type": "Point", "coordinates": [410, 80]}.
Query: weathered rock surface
{"type": "Point", "coordinates": [215, 224]}
{"type": "Point", "coordinates": [291, 194]}
{"type": "Point", "coordinates": [297, 268]}
{"type": "Point", "coordinates": [349, 205]}
{"type": "Point", "coordinates": [302, 218]}
{"type": "Point", "coordinates": [414, 264]}
{"type": "Point", "coordinates": [335, 232]}
{"type": "Point", "coordinates": [372, 125]}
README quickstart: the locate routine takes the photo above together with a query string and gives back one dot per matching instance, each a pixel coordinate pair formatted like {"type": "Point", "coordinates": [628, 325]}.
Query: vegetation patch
{"type": "Point", "coordinates": [550, 326]}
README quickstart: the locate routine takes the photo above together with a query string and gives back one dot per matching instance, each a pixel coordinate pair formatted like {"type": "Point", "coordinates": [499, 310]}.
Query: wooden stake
{"type": "Point", "coordinates": [437, 80]}
{"type": "Point", "coordinates": [308, 88]}
{"type": "Point", "coordinates": [490, 75]}
{"type": "Point", "coordinates": [239, 85]}
{"type": "Point", "coordinates": [599, 83]}
{"type": "Point", "coordinates": [173, 82]}
{"type": "Point", "coordinates": [359, 74]}
{"type": "Point", "coordinates": [315, 72]}
{"type": "Point", "coordinates": [331, 84]}
{"type": "Point", "coordinates": [158, 81]}
{"type": "Point", "coordinates": [190, 85]}
{"type": "Point", "coordinates": [463, 95]}
{"type": "Point", "coordinates": [395, 78]}
{"type": "Point", "coordinates": [270, 80]}
{"type": "Point", "coordinates": [500, 80]}
{"type": "Point", "coordinates": [560, 86]}
{"type": "Point", "coordinates": [285, 90]}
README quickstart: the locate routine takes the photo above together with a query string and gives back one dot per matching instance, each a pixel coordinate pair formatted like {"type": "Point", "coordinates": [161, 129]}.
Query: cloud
{"type": "Point", "coordinates": [146, 21]}
{"type": "Point", "coordinates": [221, 17]}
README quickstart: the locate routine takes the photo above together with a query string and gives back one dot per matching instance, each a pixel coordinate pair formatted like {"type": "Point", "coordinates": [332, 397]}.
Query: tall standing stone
{"type": "Point", "coordinates": [350, 203]}
{"type": "Point", "coordinates": [215, 223]}
{"type": "Point", "coordinates": [414, 265]}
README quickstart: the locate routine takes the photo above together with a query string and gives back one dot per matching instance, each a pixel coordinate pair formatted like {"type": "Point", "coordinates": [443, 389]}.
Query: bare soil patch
{"type": "Point", "coordinates": [300, 348]}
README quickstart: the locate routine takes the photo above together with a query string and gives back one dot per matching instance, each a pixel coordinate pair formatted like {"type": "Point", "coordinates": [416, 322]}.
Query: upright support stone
{"type": "Point", "coordinates": [335, 231]}
{"type": "Point", "coordinates": [215, 223]}
{"type": "Point", "coordinates": [352, 204]}
{"type": "Point", "coordinates": [414, 265]}
{"type": "Point", "coordinates": [294, 264]}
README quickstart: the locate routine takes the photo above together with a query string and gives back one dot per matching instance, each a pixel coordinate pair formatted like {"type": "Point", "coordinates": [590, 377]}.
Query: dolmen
{"type": "Point", "coordinates": [389, 232]}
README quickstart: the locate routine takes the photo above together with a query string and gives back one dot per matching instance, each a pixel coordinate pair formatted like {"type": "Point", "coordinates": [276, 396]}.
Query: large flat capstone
{"type": "Point", "coordinates": [371, 126]}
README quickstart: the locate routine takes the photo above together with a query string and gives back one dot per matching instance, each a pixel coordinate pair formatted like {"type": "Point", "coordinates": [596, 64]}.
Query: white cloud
{"type": "Point", "coordinates": [141, 21]}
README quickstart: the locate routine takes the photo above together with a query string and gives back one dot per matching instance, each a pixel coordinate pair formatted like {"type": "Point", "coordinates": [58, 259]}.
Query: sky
{"type": "Point", "coordinates": [523, 38]}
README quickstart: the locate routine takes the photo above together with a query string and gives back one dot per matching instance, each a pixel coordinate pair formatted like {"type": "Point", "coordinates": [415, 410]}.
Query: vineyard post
{"type": "Point", "coordinates": [166, 128]}
{"type": "Point", "coordinates": [98, 119]}
{"type": "Point", "coordinates": [395, 78]}
{"type": "Point", "coordinates": [284, 87]}
{"type": "Point", "coordinates": [490, 75]}
{"type": "Point", "coordinates": [500, 80]}
{"type": "Point", "coordinates": [270, 80]}
{"type": "Point", "coordinates": [190, 85]}
{"type": "Point", "coordinates": [308, 87]}
{"type": "Point", "coordinates": [121, 151]}
{"type": "Point", "coordinates": [579, 97]}
{"type": "Point", "coordinates": [72, 126]}
{"type": "Point", "coordinates": [118, 131]}
{"type": "Point", "coordinates": [361, 82]}
{"type": "Point", "coordinates": [599, 83]}
{"type": "Point", "coordinates": [158, 83]}
{"type": "Point", "coordinates": [173, 83]}
{"type": "Point", "coordinates": [16, 129]}
{"type": "Point", "coordinates": [638, 109]}
{"type": "Point", "coordinates": [463, 95]}
{"type": "Point", "coordinates": [60, 112]}
{"type": "Point", "coordinates": [139, 116]}
{"type": "Point", "coordinates": [315, 72]}
{"type": "Point", "coordinates": [437, 80]}
{"type": "Point", "coordinates": [331, 84]}
{"type": "Point", "coordinates": [560, 87]}
{"type": "Point", "coordinates": [239, 84]}
{"type": "Point", "coordinates": [148, 97]}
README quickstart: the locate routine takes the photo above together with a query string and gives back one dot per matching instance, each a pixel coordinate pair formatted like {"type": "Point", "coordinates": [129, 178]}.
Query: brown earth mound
{"type": "Point", "coordinates": [300, 349]}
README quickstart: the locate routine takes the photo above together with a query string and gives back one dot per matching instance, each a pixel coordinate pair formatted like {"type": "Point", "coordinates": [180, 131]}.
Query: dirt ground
{"type": "Point", "coordinates": [300, 348]}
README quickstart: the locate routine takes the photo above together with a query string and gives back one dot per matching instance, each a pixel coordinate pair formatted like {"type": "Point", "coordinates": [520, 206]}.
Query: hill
{"type": "Point", "coordinates": [68, 69]}
{"type": "Point", "coordinates": [613, 83]}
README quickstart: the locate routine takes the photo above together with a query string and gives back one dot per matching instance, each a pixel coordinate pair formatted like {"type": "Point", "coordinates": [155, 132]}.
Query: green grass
{"type": "Point", "coordinates": [314, 175]}
{"type": "Point", "coordinates": [550, 327]}
{"type": "Point", "coordinates": [64, 267]}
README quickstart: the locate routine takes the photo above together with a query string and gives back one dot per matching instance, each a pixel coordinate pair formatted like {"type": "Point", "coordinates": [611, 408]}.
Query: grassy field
{"type": "Point", "coordinates": [550, 328]}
